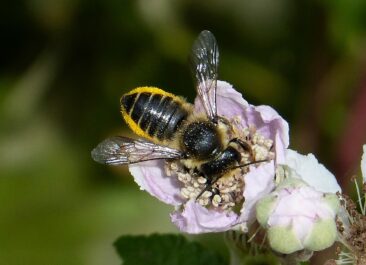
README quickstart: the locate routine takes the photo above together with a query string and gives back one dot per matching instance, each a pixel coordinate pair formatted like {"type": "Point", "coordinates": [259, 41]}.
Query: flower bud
{"type": "Point", "coordinates": [298, 217]}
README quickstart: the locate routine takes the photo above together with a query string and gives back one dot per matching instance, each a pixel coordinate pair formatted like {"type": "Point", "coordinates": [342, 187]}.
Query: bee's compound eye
{"type": "Point", "coordinates": [201, 140]}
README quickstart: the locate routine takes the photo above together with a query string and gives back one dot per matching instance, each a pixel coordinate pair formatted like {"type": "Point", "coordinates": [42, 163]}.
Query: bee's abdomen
{"type": "Point", "coordinates": [153, 113]}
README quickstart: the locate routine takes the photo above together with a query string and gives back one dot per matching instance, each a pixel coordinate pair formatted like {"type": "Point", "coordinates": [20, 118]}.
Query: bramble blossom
{"type": "Point", "coordinates": [267, 134]}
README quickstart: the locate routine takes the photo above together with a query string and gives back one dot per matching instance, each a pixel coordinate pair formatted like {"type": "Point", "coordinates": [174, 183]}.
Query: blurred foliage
{"type": "Point", "coordinates": [65, 63]}
{"type": "Point", "coordinates": [165, 250]}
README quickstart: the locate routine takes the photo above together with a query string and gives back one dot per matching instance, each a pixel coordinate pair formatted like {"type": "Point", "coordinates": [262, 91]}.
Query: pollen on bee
{"type": "Point", "coordinates": [227, 191]}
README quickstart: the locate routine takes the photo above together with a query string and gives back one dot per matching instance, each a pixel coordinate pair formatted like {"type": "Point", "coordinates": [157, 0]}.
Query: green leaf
{"type": "Point", "coordinates": [164, 250]}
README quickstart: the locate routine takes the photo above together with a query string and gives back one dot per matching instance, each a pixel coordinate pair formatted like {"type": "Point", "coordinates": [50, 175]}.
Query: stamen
{"type": "Point", "coordinates": [227, 191]}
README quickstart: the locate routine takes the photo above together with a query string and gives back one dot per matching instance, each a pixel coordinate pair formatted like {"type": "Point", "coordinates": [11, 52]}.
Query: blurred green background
{"type": "Point", "coordinates": [65, 63]}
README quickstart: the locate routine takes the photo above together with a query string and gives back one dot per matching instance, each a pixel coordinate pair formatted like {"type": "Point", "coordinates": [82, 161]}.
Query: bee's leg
{"type": "Point", "coordinates": [246, 147]}
{"type": "Point", "coordinates": [226, 122]}
{"type": "Point", "coordinates": [242, 143]}
{"type": "Point", "coordinates": [209, 185]}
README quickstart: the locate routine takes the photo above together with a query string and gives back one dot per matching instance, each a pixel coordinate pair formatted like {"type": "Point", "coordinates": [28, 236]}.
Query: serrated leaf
{"type": "Point", "coordinates": [164, 250]}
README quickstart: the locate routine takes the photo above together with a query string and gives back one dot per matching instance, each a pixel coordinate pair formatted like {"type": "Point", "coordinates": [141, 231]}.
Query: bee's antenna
{"type": "Point", "coordinates": [250, 163]}
{"type": "Point", "coordinates": [209, 185]}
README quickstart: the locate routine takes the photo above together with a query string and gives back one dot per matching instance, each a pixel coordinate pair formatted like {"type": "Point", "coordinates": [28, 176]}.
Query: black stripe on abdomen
{"type": "Point", "coordinates": [127, 101]}
{"type": "Point", "coordinates": [156, 109]}
{"type": "Point", "coordinates": [157, 115]}
{"type": "Point", "coordinates": [141, 103]}
{"type": "Point", "coordinates": [175, 116]}
{"type": "Point", "coordinates": [149, 112]}
{"type": "Point", "coordinates": [162, 117]}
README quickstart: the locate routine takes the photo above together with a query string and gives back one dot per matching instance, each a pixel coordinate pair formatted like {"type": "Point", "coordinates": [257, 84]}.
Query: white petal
{"type": "Point", "coordinates": [363, 164]}
{"type": "Point", "coordinates": [312, 172]}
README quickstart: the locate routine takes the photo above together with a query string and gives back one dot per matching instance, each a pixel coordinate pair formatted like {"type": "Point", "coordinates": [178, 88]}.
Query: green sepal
{"type": "Point", "coordinates": [322, 236]}
{"type": "Point", "coordinates": [283, 240]}
{"type": "Point", "coordinates": [264, 209]}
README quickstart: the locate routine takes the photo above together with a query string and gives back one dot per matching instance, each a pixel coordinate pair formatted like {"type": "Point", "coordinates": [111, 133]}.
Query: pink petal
{"type": "Point", "coordinates": [230, 103]}
{"type": "Point", "coordinates": [258, 183]}
{"type": "Point", "coordinates": [289, 203]}
{"type": "Point", "coordinates": [150, 176]}
{"type": "Point", "coordinates": [302, 226]}
{"type": "Point", "coordinates": [195, 219]}
{"type": "Point", "coordinates": [269, 123]}
{"type": "Point", "coordinates": [300, 208]}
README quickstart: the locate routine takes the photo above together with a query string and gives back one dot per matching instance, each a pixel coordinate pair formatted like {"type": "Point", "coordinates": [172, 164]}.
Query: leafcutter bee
{"type": "Point", "coordinates": [171, 130]}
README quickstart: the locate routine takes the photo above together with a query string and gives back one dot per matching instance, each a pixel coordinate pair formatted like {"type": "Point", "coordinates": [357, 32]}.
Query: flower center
{"type": "Point", "coordinates": [227, 190]}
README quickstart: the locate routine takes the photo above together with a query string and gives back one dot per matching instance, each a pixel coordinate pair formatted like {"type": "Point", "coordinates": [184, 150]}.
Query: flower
{"type": "Point", "coordinates": [298, 217]}
{"type": "Point", "coordinates": [171, 183]}
{"type": "Point", "coordinates": [300, 213]}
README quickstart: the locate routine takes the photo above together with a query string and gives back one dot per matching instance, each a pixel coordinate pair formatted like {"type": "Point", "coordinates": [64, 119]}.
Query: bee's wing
{"type": "Point", "coordinates": [122, 150]}
{"type": "Point", "coordinates": [205, 61]}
